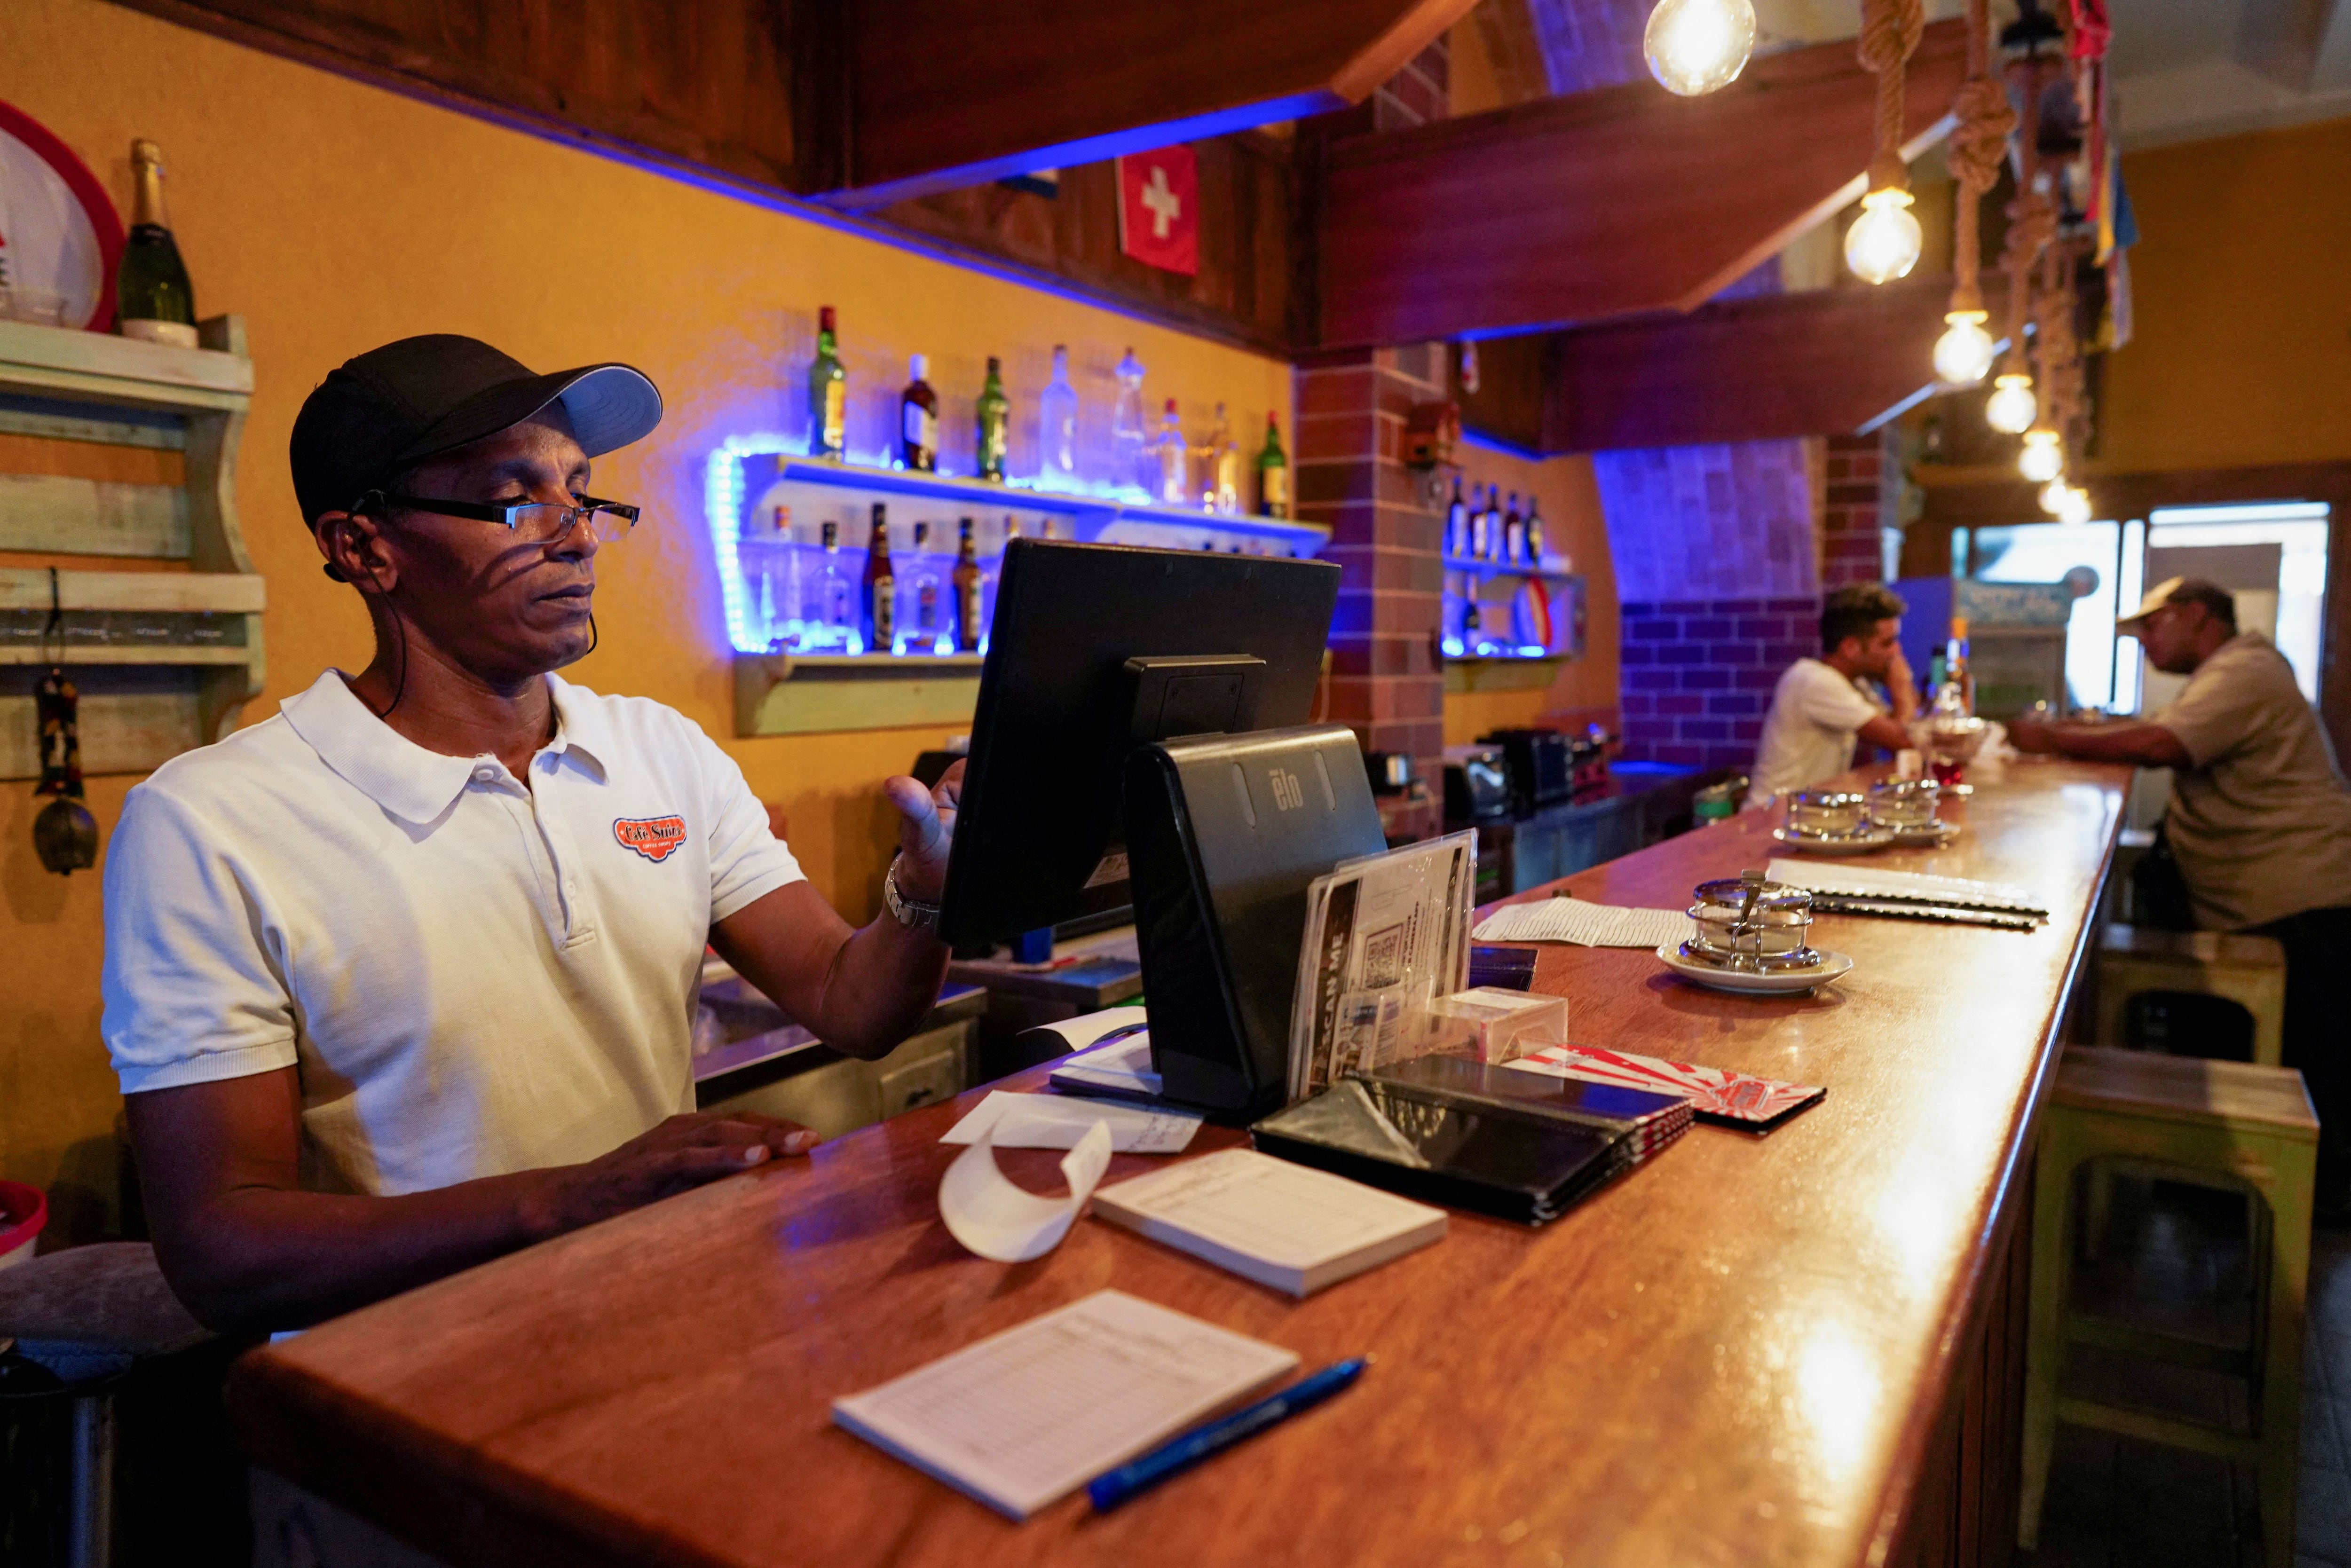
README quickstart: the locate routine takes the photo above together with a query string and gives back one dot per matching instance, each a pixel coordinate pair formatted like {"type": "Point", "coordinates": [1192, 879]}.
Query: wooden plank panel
{"type": "Point", "coordinates": [219, 593]}
{"type": "Point", "coordinates": [951, 93]}
{"type": "Point", "coordinates": [121, 731]}
{"type": "Point", "coordinates": [1741, 1353]}
{"type": "Point", "coordinates": [91, 517]}
{"type": "Point", "coordinates": [1829, 361]}
{"type": "Point", "coordinates": [23, 346]}
{"type": "Point", "coordinates": [1601, 203]}
{"type": "Point", "coordinates": [106, 654]}
{"type": "Point", "coordinates": [66, 424]}
{"type": "Point", "coordinates": [815, 700]}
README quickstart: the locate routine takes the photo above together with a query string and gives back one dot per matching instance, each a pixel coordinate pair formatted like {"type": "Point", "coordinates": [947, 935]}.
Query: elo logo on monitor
{"type": "Point", "coordinates": [1287, 796]}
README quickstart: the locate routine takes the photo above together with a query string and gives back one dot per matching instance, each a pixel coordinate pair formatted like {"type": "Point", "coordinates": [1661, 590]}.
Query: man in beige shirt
{"type": "Point", "coordinates": [2259, 823]}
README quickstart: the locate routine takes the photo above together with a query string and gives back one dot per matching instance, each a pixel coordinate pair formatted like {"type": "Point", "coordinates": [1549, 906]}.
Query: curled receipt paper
{"type": "Point", "coordinates": [988, 1214]}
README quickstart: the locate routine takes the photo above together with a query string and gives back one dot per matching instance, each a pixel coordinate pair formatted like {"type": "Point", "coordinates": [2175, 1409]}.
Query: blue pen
{"type": "Point", "coordinates": [1178, 1454]}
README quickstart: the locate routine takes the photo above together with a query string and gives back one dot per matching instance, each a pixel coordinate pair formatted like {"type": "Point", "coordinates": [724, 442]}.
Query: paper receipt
{"type": "Point", "coordinates": [989, 1214]}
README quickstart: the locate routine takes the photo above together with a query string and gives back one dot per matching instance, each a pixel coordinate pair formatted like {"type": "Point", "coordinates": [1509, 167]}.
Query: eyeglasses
{"type": "Point", "coordinates": [607, 521]}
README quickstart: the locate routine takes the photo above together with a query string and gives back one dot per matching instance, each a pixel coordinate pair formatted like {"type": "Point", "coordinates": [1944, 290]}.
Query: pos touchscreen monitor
{"type": "Point", "coordinates": [1142, 737]}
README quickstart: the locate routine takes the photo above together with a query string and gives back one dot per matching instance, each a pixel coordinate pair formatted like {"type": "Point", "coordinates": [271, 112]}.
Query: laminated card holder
{"type": "Point", "coordinates": [1224, 833]}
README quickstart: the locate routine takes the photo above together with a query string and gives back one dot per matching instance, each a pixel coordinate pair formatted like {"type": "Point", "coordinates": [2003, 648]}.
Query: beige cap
{"type": "Point", "coordinates": [2181, 591]}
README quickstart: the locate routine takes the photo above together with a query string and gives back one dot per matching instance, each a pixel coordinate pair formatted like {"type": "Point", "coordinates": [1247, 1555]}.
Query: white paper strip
{"type": "Point", "coordinates": [1589, 924]}
{"type": "Point", "coordinates": [1860, 881]}
{"type": "Point", "coordinates": [1058, 1120]}
{"type": "Point", "coordinates": [986, 1211]}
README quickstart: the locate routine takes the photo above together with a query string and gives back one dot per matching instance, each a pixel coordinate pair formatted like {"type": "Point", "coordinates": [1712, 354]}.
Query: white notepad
{"type": "Point", "coordinates": [1284, 1225]}
{"type": "Point", "coordinates": [1058, 1120]}
{"type": "Point", "coordinates": [1587, 925]}
{"type": "Point", "coordinates": [1028, 1416]}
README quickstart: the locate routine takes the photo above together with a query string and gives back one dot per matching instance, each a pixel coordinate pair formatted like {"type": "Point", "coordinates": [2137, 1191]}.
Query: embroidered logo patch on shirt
{"type": "Point", "coordinates": [652, 837]}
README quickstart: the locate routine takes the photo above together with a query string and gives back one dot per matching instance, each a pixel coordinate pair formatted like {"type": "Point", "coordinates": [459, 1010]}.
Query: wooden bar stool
{"type": "Point", "coordinates": [2247, 971]}
{"type": "Point", "coordinates": [2229, 1124]}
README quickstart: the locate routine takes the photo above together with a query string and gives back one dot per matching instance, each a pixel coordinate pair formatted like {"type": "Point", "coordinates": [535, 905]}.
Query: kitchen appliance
{"type": "Point", "coordinates": [1542, 767]}
{"type": "Point", "coordinates": [1476, 785]}
{"type": "Point", "coordinates": [1391, 772]}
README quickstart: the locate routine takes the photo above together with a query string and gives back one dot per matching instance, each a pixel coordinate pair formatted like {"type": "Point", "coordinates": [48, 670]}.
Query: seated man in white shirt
{"type": "Point", "coordinates": [403, 977]}
{"type": "Point", "coordinates": [1820, 709]}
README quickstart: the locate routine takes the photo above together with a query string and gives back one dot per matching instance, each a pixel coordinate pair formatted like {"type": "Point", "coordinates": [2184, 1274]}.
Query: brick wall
{"type": "Point", "coordinates": [1698, 674]}
{"type": "Point", "coordinates": [1853, 511]}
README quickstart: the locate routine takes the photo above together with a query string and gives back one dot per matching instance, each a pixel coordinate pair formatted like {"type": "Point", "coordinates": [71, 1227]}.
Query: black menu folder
{"type": "Point", "coordinates": [1449, 1136]}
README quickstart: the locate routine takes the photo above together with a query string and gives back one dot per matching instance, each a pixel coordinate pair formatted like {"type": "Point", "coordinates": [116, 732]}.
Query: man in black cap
{"type": "Point", "coordinates": [2259, 823]}
{"type": "Point", "coordinates": [404, 976]}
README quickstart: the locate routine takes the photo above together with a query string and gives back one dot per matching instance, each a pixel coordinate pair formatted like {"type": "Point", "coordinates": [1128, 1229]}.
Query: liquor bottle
{"type": "Point", "coordinates": [1456, 523]}
{"type": "Point", "coordinates": [995, 421]}
{"type": "Point", "coordinates": [1532, 532]}
{"type": "Point", "coordinates": [1222, 493]}
{"type": "Point", "coordinates": [922, 619]}
{"type": "Point", "coordinates": [828, 389]}
{"type": "Point", "coordinates": [1514, 532]}
{"type": "Point", "coordinates": [784, 632]}
{"type": "Point", "coordinates": [1175, 469]}
{"type": "Point", "coordinates": [991, 580]}
{"type": "Point", "coordinates": [1273, 474]}
{"type": "Point", "coordinates": [1473, 546]}
{"type": "Point", "coordinates": [152, 297]}
{"type": "Point", "coordinates": [1493, 550]}
{"type": "Point", "coordinates": [1473, 635]}
{"type": "Point", "coordinates": [918, 420]}
{"type": "Point", "coordinates": [833, 597]}
{"type": "Point", "coordinates": [1129, 460]}
{"type": "Point", "coordinates": [877, 599]}
{"type": "Point", "coordinates": [1057, 416]}
{"type": "Point", "coordinates": [965, 582]}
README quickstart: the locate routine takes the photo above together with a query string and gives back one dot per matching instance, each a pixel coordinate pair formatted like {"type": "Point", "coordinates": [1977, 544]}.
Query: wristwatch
{"type": "Point", "coordinates": [911, 912]}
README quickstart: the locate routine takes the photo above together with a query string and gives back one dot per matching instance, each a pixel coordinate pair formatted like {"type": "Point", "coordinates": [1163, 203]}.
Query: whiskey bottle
{"type": "Point", "coordinates": [153, 301]}
{"type": "Point", "coordinates": [827, 390]}
{"type": "Point", "coordinates": [994, 423]}
{"type": "Point", "coordinates": [1273, 474]}
{"type": "Point", "coordinates": [918, 420]}
{"type": "Point", "coordinates": [965, 582]}
{"type": "Point", "coordinates": [877, 600]}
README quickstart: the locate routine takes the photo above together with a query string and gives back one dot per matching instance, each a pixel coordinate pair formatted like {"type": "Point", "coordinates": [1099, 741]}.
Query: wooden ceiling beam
{"type": "Point", "coordinates": [1824, 363]}
{"type": "Point", "coordinates": [936, 94]}
{"type": "Point", "coordinates": [1602, 204]}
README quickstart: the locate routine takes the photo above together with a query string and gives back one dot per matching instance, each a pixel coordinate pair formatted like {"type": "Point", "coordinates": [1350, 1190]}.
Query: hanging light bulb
{"type": "Point", "coordinates": [2011, 406]}
{"type": "Point", "coordinates": [1885, 241]}
{"type": "Point", "coordinates": [2053, 495]}
{"type": "Point", "coordinates": [2041, 459]}
{"type": "Point", "coordinates": [2066, 502]}
{"type": "Point", "coordinates": [1963, 353]}
{"type": "Point", "coordinates": [1697, 46]}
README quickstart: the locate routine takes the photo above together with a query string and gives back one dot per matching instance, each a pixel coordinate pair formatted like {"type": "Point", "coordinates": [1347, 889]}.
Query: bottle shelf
{"type": "Point", "coordinates": [1552, 566]}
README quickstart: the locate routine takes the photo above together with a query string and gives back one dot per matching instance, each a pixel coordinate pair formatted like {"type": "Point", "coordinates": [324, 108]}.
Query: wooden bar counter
{"type": "Point", "coordinates": [1786, 1349]}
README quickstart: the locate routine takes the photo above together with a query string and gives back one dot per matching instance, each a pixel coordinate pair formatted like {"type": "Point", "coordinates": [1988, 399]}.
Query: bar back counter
{"type": "Point", "coordinates": [1798, 1348]}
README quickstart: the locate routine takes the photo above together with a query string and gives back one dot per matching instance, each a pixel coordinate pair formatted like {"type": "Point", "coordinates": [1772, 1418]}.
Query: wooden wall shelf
{"type": "Point", "coordinates": [164, 658]}
{"type": "Point", "coordinates": [784, 694]}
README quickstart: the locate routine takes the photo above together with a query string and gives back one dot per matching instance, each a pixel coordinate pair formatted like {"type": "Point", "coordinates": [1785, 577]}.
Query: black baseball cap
{"type": "Point", "coordinates": [419, 397]}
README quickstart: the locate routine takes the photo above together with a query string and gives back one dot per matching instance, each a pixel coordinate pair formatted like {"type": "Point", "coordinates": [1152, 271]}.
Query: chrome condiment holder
{"type": "Point", "coordinates": [1829, 814]}
{"type": "Point", "coordinates": [1752, 924]}
{"type": "Point", "coordinates": [1905, 805]}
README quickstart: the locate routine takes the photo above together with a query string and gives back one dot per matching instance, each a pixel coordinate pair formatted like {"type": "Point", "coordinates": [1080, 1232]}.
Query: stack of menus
{"type": "Point", "coordinates": [1386, 936]}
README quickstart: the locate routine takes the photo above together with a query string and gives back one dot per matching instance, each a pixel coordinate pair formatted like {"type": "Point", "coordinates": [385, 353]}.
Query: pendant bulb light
{"type": "Point", "coordinates": [1885, 241]}
{"type": "Point", "coordinates": [2011, 406]}
{"type": "Point", "coordinates": [1699, 46]}
{"type": "Point", "coordinates": [1963, 354]}
{"type": "Point", "coordinates": [2066, 502]}
{"type": "Point", "coordinates": [2042, 458]}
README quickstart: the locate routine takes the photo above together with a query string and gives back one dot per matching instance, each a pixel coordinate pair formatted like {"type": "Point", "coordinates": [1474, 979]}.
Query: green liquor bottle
{"type": "Point", "coordinates": [828, 392]}
{"type": "Point", "coordinates": [1273, 474]}
{"type": "Point", "coordinates": [994, 423]}
{"type": "Point", "coordinates": [153, 299]}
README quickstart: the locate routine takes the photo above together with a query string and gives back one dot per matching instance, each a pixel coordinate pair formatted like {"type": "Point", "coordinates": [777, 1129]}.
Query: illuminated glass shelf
{"type": "Point", "coordinates": [1551, 565]}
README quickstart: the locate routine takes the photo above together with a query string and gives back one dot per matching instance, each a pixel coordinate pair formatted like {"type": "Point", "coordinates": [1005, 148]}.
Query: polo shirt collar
{"type": "Point", "coordinates": [403, 777]}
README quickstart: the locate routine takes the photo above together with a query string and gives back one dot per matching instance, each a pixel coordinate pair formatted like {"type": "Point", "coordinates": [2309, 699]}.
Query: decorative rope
{"type": "Point", "coordinates": [1977, 147]}
{"type": "Point", "coordinates": [2058, 348]}
{"type": "Point", "coordinates": [2031, 217]}
{"type": "Point", "coordinates": [1890, 30]}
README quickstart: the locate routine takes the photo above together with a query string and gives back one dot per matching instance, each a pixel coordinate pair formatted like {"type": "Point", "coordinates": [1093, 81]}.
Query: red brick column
{"type": "Point", "coordinates": [1853, 510]}
{"type": "Point", "coordinates": [1386, 535]}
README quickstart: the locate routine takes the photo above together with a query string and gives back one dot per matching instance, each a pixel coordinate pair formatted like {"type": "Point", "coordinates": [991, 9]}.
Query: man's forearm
{"type": "Point", "coordinates": [2141, 745]}
{"type": "Point", "coordinates": [883, 982]}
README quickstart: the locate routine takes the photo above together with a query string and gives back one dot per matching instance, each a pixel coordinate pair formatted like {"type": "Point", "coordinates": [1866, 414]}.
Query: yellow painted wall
{"type": "Point", "coordinates": [335, 216]}
{"type": "Point", "coordinates": [1585, 688]}
{"type": "Point", "coordinates": [2243, 348]}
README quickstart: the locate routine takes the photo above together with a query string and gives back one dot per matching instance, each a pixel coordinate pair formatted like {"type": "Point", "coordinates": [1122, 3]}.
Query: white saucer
{"type": "Point", "coordinates": [1858, 844]}
{"type": "Point", "coordinates": [1932, 838]}
{"type": "Point", "coordinates": [1779, 982]}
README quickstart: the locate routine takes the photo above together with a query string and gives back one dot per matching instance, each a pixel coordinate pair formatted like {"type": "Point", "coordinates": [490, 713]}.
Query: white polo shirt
{"type": "Point", "coordinates": [472, 978]}
{"type": "Point", "coordinates": [1809, 734]}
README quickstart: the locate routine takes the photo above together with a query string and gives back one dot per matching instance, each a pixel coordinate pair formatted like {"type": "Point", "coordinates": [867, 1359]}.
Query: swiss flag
{"type": "Point", "coordinates": [1159, 209]}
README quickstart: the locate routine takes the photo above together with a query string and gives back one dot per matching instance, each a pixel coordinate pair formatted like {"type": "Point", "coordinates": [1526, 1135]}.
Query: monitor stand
{"type": "Point", "coordinates": [1224, 833]}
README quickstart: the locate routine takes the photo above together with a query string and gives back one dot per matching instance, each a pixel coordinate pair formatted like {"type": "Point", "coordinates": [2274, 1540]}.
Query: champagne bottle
{"type": "Point", "coordinates": [918, 420]}
{"type": "Point", "coordinates": [877, 608]}
{"type": "Point", "coordinates": [828, 388]}
{"type": "Point", "coordinates": [994, 423]}
{"type": "Point", "coordinates": [153, 301]}
{"type": "Point", "coordinates": [1057, 411]}
{"type": "Point", "coordinates": [965, 582]}
{"type": "Point", "coordinates": [1273, 474]}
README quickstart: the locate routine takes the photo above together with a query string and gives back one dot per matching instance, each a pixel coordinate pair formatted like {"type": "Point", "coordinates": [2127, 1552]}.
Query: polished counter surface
{"type": "Point", "coordinates": [1737, 1354]}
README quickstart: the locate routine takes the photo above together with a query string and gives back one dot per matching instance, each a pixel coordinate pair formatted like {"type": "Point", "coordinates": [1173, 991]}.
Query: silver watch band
{"type": "Point", "coordinates": [911, 912]}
